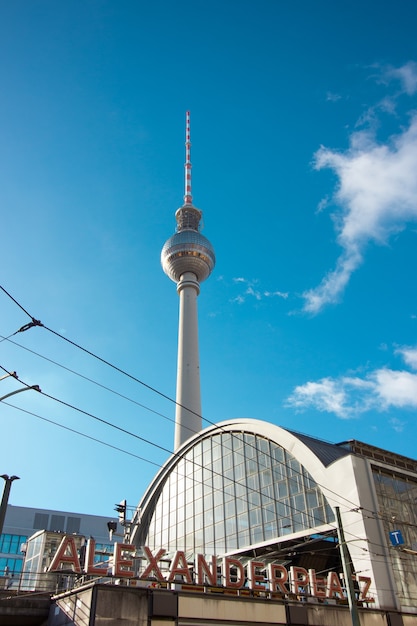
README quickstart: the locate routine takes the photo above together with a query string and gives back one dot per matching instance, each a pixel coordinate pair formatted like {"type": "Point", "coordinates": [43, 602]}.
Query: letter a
{"type": "Point", "coordinates": [66, 553]}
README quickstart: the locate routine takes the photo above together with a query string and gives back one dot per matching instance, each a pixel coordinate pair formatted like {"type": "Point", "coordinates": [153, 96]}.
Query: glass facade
{"type": "Point", "coordinates": [232, 490]}
{"type": "Point", "coordinates": [397, 497]}
{"type": "Point", "coordinates": [104, 551]}
{"type": "Point", "coordinates": [10, 545]}
{"type": "Point", "coordinates": [36, 562]}
{"type": "Point", "coordinates": [41, 548]}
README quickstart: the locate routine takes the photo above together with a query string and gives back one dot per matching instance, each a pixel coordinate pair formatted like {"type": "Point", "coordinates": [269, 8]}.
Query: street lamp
{"type": "Point", "coordinates": [12, 393]}
{"type": "Point", "coordinates": [9, 374]}
{"type": "Point", "coordinates": [5, 498]}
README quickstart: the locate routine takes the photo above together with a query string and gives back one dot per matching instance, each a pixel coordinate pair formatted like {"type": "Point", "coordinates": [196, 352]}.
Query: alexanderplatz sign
{"type": "Point", "coordinates": [256, 575]}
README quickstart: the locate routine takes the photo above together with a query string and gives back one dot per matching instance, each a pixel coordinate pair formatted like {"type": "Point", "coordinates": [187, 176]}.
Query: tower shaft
{"type": "Point", "coordinates": [188, 258]}
{"type": "Point", "coordinates": [188, 411]}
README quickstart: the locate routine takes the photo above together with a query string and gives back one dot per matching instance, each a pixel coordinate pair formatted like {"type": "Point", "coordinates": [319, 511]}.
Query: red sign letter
{"type": "Point", "coordinates": [89, 560]}
{"type": "Point", "coordinates": [228, 563]}
{"type": "Point", "coordinates": [278, 576]}
{"type": "Point", "coordinates": [317, 585]}
{"type": "Point", "coordinates": [120, 562]}
{"type": "Point", "coordinates": [153, 563]}
{"type": "Point", "coordinates": [334, 586]}
{"type": "Point", "coordinates": [299, 579]}
{"type": "Point", "coordinates": [364, 590]}
{"type": "Point", "coordinates": [179, 567]}
{"type": "Point", "coordinates": [66, 553]}
{"type": "Point", "coordinates": [253, 577]}
{"type": "Point", "coordinates": [203, 570]}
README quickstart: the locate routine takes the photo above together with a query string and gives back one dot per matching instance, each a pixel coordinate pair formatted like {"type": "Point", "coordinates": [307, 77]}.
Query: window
{"type": "Point", "coordinates": [41, 521]}
{"type": "Point", "coordinates": [10, 544]}
{"type": "Point", "coordinates": [10, 566]}
{"type": "Point", "coordinates": [57, 522]}
{"type": "Point", "coordinates": [73, 525]}
{"type": "Point", "coordinates": [397, 496]}
{"type": "Point", "coordinates": [254, 490]}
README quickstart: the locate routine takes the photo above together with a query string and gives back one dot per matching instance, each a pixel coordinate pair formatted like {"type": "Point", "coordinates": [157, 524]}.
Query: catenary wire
{"type": "Point", "coordinates": [282, 552]}
{"type": "Point", "coordinates": [147, 408]}
{"type": "Point", "coordinates": [35, 322]}
{"type": "Point", "coordinates": [152, 410]}
{"type": "Point", "coordinates": [78, 432]}
{"type": "Point", "coordinates": [143, 439]}
{"type": "Point", "coordinates": [96, 440]}
{"type": "Point", "coordinates": [151, 443]}
{"type": "Point", "coordinates": [272, 499]}
{"type": "Point", "coordinates": [115, 392]}
{"type": "Point", "coordinates": [90, 380]}
{"type": "Point", "coordinates": [134, 378]}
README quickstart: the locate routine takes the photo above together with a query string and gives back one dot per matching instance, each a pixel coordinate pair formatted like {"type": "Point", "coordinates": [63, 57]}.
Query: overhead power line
{"type": "Point", "coordinates": [36, 322]}
{"type": "Point", "coordinates": [171, 453]}
{"type": "Point", "coordinates": [78, 432]}
{"type": "Point", "coordinates": [106, 422]}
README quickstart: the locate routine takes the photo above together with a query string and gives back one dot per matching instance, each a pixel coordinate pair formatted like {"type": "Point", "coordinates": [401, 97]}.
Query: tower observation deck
{"type": "Point", "coordinates": [188, 259]}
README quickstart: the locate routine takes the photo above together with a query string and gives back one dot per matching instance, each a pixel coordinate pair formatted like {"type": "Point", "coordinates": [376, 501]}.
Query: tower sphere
{"type": "Point", "coordinates": [188, 251]}
{"type": "Point", "coordinates": [187, 258]}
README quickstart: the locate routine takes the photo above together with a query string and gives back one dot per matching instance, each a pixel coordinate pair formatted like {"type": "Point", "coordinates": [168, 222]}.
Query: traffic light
{"type": "Point", "coordinates": [121, 509]}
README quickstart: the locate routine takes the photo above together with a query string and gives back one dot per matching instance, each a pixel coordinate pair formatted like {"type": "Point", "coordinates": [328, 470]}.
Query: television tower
{"type": "Point", "coordinates": [188, 259]}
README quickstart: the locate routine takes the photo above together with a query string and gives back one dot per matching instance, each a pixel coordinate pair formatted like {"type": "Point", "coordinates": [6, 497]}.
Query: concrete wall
{"type": "Point", "coordinates": [72, 608]}
{"type": "Point", "coordinates": [219, 610]}
{"type": "Point", "coordinates": [23, 609]}
{"type": "Point", "coordinates": [126, 606]}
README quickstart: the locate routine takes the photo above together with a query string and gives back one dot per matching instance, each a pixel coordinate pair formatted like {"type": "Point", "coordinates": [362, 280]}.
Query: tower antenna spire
{"type": "Point", "coordinates": [188, 258]}
{"type": "Point", "coordinates": [188, 199]}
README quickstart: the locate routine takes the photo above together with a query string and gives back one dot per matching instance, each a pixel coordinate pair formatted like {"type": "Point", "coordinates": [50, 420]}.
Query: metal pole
{"type": "Point", "coordinates": [5, 498]}
{"type": "Point", "coordinates": [347, 571]}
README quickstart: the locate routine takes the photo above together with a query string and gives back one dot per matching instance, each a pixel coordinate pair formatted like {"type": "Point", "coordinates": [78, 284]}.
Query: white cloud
{"type": "Point", "coordinates": [395, 388]}
{"type": "Point", "coordinates": [407, 75]}
{"type": "Point", "coordinates": [397, 424]}
{"type": "Point", "coordinates": [250, 291]}
{"type": "Point", "coordinates": [325, 395]}
{"type": "Point", "coordinates": [409, 355]}
{"type": "Point", "coordinates": [332, 97]}
{"type": "Point", "coordinates": [323, 204]}
{"type": "Point", "coordinates": [333, 284]}
{"type": "Point", "coordinates": [347, 397]}
{"type": "Point", "coordinates": [280, 294]}
{"type": "Point", "coordinates": [377, 194]}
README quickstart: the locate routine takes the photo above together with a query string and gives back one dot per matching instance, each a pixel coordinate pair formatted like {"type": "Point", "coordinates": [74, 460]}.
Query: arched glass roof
{"type": "Point", "coordinates": [231, 490]}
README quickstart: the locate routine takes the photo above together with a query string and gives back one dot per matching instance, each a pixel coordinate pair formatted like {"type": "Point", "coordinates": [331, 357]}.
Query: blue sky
{"type": "Point", "coordinates": [304, 152]}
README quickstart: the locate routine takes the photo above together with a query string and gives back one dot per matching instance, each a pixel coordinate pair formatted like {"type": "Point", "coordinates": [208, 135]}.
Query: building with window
{"type": "Point", "coordinates": [246, 522]}
{"type": "Point", "coordinates": [241, 526]}
{"type": "Point", "coordinates": [252, 490]}
{"type": "Point", "coordinates": [23, 522]}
